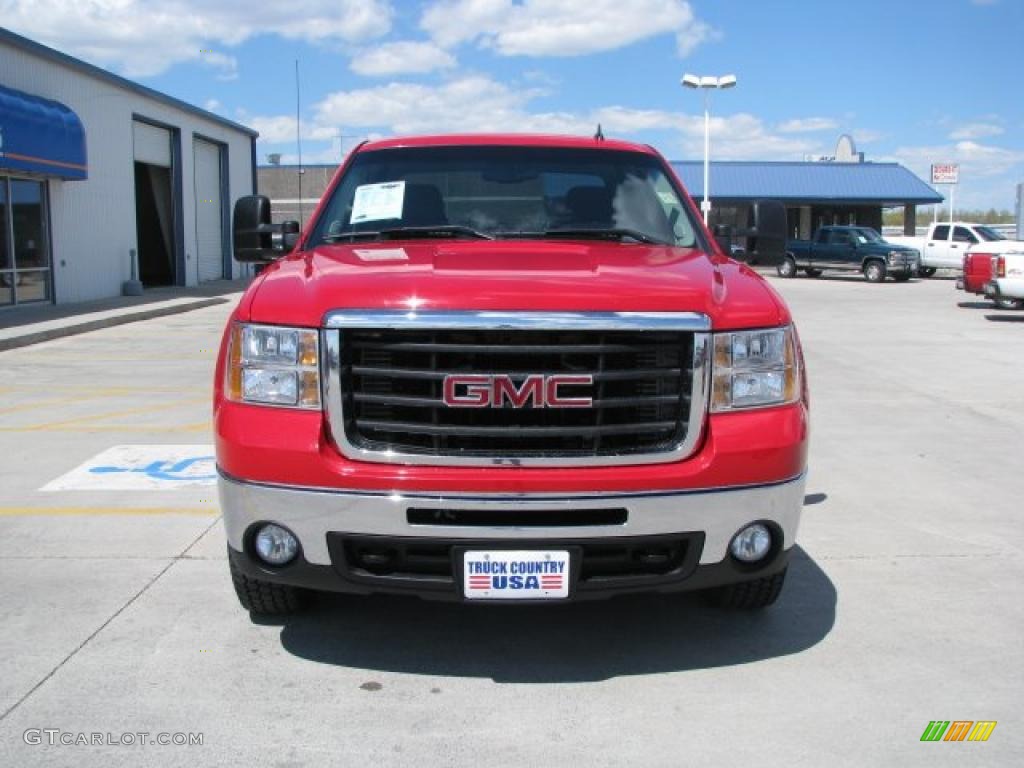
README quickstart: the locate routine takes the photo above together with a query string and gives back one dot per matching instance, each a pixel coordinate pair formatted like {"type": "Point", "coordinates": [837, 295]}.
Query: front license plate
{"type": "Point", "coordinates": [515, 574]}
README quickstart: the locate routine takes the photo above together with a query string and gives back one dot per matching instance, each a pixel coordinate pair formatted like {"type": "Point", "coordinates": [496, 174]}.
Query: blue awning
{"type": "Point", "coordinates": [40, 136]}
{"type": "Point", "coordinates": [866, 183]}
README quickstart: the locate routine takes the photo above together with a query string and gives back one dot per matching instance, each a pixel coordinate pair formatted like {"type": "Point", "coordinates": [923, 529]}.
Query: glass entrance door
{"type": "Point", "coordinates": [24, 246]}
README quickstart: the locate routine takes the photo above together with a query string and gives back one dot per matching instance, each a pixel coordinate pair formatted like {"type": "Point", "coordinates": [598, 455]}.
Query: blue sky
{"type": "Point", "coordinates": [912, 82]}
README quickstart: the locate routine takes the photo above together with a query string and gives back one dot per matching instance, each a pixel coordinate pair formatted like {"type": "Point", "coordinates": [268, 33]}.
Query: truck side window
{"type": "Point", "coordinates": [963, 235]}
{"type": "Point", "coordinates": [840, 237]}
{"type": "Point", "coordinates": [941, 232]}
{"type": "Point", "coordinates": [823, 235]}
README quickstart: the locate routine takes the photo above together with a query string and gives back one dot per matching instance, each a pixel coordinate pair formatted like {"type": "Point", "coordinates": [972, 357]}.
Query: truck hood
{"type": "Point", "coordinates": [998, 247]}
{"type": "Point", "coordinates": [889, 245]}
{"type": "Point", "coordinates": [510, 275]}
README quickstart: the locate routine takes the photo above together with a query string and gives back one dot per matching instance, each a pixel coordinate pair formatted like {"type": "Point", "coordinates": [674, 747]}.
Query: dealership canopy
{"type": "Point", "coordinates": [40, 136]}
{"type": "Point", "coordinates": [884, 184]}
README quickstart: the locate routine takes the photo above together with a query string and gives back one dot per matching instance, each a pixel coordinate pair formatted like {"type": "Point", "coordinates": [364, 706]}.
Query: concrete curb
{"type": "Point", "coordinates": [74, 328]}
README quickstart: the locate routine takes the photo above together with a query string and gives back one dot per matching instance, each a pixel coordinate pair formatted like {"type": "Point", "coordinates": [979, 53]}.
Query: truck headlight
{"type": "Point", "coordinates": [273, 365]}
{"type": "Point", "coordinates": [895, 257]}
{"type": "Point", "coordinates": [754, 369]}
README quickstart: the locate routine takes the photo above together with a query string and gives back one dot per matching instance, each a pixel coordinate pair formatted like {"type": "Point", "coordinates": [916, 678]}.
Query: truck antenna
{"type": "Point", "coordinates": [298, 136]}
{"type": "Point", "coordinates": [599, 136]}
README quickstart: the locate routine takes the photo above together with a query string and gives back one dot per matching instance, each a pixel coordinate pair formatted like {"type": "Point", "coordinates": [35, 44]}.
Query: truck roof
{"type": "Point", "coordinates": [508, 139]}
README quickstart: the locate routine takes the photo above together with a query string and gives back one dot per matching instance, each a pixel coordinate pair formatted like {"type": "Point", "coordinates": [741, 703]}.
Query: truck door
{"type": "Point", "coordinates": [936, 250]}
{"type": "Point", "coordinates": [962, 239]}
{"type": "Point", "coordinates": [841, 254]}
{"type": "Point", "coordinates": [817, 253]}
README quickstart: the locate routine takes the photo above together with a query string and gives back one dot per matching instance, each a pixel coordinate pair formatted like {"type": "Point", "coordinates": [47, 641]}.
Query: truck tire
{"type": "Point", "coordinates": [1008, 303]}
{"type": "Point", "coordinates": [749, 595]}
{"type": "Point", "coordinates": [787, 268]}
{"type": "Point", "coordinates": [264, 598]}
{"type": "Point", "coordinates": [926, 271]}
{"type": "Point", "coordinates": [874, 271]}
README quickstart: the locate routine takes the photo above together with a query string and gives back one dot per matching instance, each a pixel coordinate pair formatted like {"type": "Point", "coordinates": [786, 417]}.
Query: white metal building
{"type": "Point", "coordinates": [98, 172]}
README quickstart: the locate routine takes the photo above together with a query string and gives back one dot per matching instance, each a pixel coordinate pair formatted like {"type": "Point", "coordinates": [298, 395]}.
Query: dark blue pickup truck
{"type": "Point", "coordinates": [850, 249]}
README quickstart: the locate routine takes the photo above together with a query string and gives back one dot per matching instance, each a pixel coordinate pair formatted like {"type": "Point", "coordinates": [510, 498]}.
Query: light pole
{"type": "Point", "coordinates": [706, 82]}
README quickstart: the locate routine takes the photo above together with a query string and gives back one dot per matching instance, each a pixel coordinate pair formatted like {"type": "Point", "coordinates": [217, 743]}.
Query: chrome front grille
{"type": "Point", "coordinates": [646, 382]}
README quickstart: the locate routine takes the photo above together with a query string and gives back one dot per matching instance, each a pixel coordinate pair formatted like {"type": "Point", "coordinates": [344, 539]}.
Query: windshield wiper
{"type": "Point", "coordinates": [612, 233]}
{"type": "Point", "coordinates": [399, 233]}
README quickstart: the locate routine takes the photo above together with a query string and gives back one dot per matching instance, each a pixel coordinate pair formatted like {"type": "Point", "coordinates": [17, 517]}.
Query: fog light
{"type": "Point", "coordinates": [276, 545]}
{"type": "Point", "coordinates": [751, 544]}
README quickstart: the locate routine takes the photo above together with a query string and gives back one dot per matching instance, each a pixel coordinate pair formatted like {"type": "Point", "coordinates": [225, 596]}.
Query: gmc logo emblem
{"type": "Point", "coordinates": [482, 391]}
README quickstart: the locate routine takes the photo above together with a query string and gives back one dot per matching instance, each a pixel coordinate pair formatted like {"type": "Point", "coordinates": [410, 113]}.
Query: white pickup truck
{"type": "Point", "coordinates": [1007, 285]}
{"type": "Point", "coordinates": [945, 244]}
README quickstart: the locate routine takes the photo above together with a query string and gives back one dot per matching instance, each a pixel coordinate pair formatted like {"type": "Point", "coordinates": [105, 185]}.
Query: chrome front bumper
{"type": "Point", "coordinates": [312, 513]}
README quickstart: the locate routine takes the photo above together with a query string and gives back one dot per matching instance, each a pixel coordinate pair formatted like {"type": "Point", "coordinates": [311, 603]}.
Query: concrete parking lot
{"type": "Point", "coordinates": [903, 604]}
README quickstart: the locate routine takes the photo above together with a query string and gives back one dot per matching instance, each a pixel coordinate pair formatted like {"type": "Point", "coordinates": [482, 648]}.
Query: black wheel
{"type": "Point", "coordinates": [264, 598]}
{"type": "Point", "coordinates": [926, 271]}
{"type": "Point", "coordinates": [813, 272]}
{"type": "Point", "coordinates": [1009, 303]}
{"type": "Point", "coordinates": [749, 595]}
{"type": "Point", "coordinates": [874, 272]}
{"type": "Point", "coordinates": [787, 268]}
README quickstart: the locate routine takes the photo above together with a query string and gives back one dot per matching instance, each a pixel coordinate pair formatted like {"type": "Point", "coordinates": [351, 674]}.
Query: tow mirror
{"type": "Point", "coordinates": [289, 235]}
{"type": "Point", "coordinates": [723, 236]}
{"type": "Point", "coordinates": [252, 230]}
{"type": "Point", "coordinates": [256, 239]}
{"type": "Point", "coordinates": [768, 232]}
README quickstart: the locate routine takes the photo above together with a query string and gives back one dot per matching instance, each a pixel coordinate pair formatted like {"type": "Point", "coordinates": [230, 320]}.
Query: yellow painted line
{"type": "Point", "coordinates": [106, 511]}
{"type": "Point", "coordinates": [57, 359]}
{"type": "Point", "coordinates": [49, 402]}
{"type": "Point", "coordinates": [197, 426]}
{"type": "Point", "coordinates": [150, 408]}
{"type": "Point", "coordinates": [100, 391]}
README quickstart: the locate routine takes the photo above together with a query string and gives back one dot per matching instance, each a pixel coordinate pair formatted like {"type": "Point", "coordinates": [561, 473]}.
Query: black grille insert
{"type": "Point", "coordinates": [517, 518]}
{"type": "Point", "coordinates": [601, 563]}
{"type": "Point", "coordinates": [392, 384]}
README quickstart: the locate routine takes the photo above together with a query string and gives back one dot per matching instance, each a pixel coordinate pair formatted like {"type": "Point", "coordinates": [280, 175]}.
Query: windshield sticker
{"type": "Point", "coordinates": [376, 202]}
{"type": "Point", "coordinates": [381, 254]}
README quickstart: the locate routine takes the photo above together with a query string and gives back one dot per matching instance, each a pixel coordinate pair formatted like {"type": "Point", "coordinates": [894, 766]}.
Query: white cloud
{"type": "Point", "coordinates": [975, 131]}
{"type": "Point", "coordinates": [142, 38]}
{"type": "Point", "coordinates": [988, 174]}
{"type": "Point", "coordinates": [866, 135]}
{"type": "Point", "coordinates": [401, 57]}
{"type": "Point", "coordinates": [280, 129]}
{"type": "Point", "coordinates": [562, 27]}
{"type": "Point", "coordinates": [692, 35]}
{"type": "Point", "coordinates": [807, 125]}
{"type": "Point", "coordinates": [212, 105]}
{"type": "Point", "coordinates": [227, 66]}
{"type": "Point", "coordinates": [476, 104]}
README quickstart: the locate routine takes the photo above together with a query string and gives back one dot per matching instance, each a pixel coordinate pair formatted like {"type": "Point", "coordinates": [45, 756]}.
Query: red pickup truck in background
{"type": "Point", "coordinates": [501, 368]}
{"type": "Point", "coordinates": [979, 271]}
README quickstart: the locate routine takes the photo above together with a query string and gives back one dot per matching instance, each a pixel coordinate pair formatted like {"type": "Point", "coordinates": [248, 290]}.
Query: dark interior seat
{"type": "Point", "coordinates": [423, 206]}
{"type": "Point", "coordinates": [591, 206]}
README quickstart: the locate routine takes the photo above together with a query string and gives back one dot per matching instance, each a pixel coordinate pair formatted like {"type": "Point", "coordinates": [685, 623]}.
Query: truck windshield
{"type": "Point", "coordinates": [866, 235]}
{"type": "Point", "coordinates": [507, 192]}
{"type": "Point", "coordinates": [987, 234]}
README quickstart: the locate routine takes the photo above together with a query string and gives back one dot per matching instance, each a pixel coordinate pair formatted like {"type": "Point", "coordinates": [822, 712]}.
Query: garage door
{"type": "Point", "coordinates": [209, 211]}
{"type": "Point", "coordinates": [152, 145]}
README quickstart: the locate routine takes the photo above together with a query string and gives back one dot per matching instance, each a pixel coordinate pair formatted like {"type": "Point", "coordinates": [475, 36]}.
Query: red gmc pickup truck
{"type": "Point", "coordinates": [497, 368]}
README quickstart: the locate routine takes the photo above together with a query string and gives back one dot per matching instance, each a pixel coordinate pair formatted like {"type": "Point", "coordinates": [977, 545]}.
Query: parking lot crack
{"type": "Point", "coordinates": [145, 588]}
